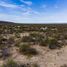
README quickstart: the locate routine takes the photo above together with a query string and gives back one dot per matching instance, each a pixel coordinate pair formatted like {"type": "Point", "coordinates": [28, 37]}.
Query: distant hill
{"type": "Point", "coordinates": [13, 23]}
{"type": "Point", "coordinates": [6, 22]}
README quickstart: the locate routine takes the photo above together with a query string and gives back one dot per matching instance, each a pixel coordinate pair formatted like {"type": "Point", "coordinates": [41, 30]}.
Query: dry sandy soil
{"type": "Point", "coordinates": [46, 57]}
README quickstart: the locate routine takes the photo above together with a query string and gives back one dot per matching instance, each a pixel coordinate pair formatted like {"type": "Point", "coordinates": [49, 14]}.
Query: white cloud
{"type": "Point", "coordinates": [4, 4]}
{"type": "Point", "coordinates": [22, 9]}
{"type": "Point", "coordinates": [25, 14]}
{"type": "Point", "coordinates": [27, 17]}
{"type": "Point", "coordinates": [58, 18]}
{"type": "Point", "coordinates": [12, 8]}
{"type": "Point", "coordinates": [13, 18]}
{"type": "Point", "coordinates": [29, 3]}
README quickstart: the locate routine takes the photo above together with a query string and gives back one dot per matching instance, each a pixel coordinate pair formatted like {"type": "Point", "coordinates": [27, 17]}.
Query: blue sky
{"type": "Point", "coordinates": [34, 11]}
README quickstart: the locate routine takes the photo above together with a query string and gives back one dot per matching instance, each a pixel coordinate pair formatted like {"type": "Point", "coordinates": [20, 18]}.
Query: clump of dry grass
{"type": "Point", "coordinates": [27, 50]}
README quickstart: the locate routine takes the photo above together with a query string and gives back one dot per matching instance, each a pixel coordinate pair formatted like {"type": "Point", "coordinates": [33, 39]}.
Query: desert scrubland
{"type": "Point", "coordinates": [33, 45]}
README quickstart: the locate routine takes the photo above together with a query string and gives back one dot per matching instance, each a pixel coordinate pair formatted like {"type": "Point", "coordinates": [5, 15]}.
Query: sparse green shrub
{"type": "Point", "coordinates": [17, 35]}
{"type": "Point", "coordinates": [18, 42]}
{"type": "Point", "coordinates": [33, 37]}
{"type": "Point", "coordinates": [27, 39]}
{"type": "Point", "coordinates": [27, 50]}
{"type": "Point", "coordinates": [10, 63]}
{"type": "Point", "coordinates": [3, 42]}
{"type": "Point", "coordinates": [11, 40]}
{"type": "Point", "coordinates": [37, 37]}
{"type": "Point", "coordinates": [52, 43]}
